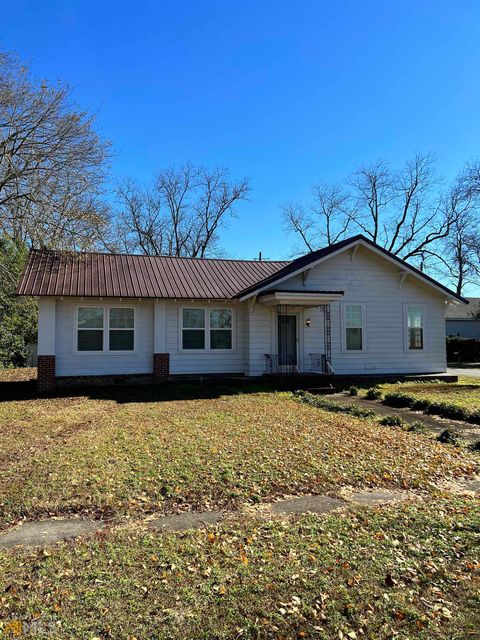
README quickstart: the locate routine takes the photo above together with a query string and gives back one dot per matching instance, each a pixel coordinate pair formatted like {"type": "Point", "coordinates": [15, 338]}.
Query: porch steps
{"type": "Point", "coordinates": [321, 391]}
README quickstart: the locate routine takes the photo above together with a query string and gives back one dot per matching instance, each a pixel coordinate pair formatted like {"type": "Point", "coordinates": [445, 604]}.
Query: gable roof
{"type": "Point", "coordinates": [462, 312]}
{"type": "Point", "coordinates": [311, 259]}
{"type": "Point", "coordinates": [62, 273]}
{"type": "Point", "coordinates": [59, 273]}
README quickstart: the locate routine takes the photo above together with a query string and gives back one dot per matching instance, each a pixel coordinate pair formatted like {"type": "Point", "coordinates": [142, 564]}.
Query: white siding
{"type": "Point", "coordinates": [202, 361]}
{"type": "Point", "coordinates": [367, 279]}
{"type": "Point", "coordinates": [261, 338]}
{"type": "Point", "coordinates": [69, 363]}
{"type": "Point", "coordinates": [374, 281]}
{"type": "Point", "coordinates": [46, 326]}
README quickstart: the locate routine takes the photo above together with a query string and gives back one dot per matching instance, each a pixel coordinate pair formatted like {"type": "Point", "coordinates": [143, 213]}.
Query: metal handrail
{"type": "Point", "coordinates": [319, 363]}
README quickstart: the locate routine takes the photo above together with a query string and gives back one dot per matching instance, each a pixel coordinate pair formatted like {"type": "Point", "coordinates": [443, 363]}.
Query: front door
{"type": "Point", "coordinates": [287, 341]}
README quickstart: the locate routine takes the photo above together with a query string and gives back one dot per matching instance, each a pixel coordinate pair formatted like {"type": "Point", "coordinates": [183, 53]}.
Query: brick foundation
{"type": "Point", "coordinates": [161, 366]}
{"type": "Point", "coordinates": [45, 373]}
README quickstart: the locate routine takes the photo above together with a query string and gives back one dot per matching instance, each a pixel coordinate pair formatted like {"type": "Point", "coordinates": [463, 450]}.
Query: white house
{"type": "Point", "coordinates": [464, 321]}
{"type": "Point", "coordinates": [350, 308]}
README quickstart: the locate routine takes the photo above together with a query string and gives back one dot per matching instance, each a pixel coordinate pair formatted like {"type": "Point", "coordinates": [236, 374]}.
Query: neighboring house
{"type": "Point", "coordinates": [464, 321]}
{"type": "Point", "coordinates": [351, 308]}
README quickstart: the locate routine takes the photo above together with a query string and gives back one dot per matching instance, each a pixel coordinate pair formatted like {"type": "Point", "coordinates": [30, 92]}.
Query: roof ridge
{"type": "Point", "coordinates": [142, 255]}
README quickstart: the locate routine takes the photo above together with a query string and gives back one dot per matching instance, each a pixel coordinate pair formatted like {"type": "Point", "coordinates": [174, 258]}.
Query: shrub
{"type": "Point", "coordinates": [373, 393]}
{"type": "Point", "coordinates": [398, 399]}
{"type": "Point", "coordinates": [328, 405]}
{"type": "Point", "coordinates": [353, 391]}
{"type": "Point", "coordinates": [448, 437]}
{"type": "Point", "coordinates": [392, 421]}
{"type": "Point", "coordinates": [463, 349]}
{"type": "Point", "coordinates": [417, 427]}
{"type": "Point", "coordinates": [475, 446]}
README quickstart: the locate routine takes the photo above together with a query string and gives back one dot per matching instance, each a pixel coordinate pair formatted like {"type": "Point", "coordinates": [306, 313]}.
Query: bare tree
{"type": "Point", "coordinates": [325, 219]}
{"type": "Point", "coordinates": [404, 211]}
{"type": "Point", "coordinates": [460, 255]}
{"type": "Point", "coordinates": [180, 214]}
{"type": "Point", "coordinates": [52, 163]}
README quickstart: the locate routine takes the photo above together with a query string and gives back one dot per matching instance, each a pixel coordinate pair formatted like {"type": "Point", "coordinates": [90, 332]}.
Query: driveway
{"type": "Point", "coordinates": [473, 373]}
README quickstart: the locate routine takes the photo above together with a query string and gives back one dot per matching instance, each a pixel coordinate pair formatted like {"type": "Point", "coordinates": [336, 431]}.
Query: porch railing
{"type": "Point", "coordinates": [313, 363]}
{"type": "Point", "coordinates": [273, 365]}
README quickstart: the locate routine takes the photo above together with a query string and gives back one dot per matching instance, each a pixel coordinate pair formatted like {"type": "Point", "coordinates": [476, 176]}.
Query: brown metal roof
{"type": "Point", "coordinates": [57, 273]}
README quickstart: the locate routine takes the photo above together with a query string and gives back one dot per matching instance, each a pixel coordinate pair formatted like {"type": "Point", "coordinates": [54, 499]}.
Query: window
{"type": "Point", "coordinates": [105, 329]}
{"type": "Point", "coordinates": [90, 329]}
{"type": "Point", "coordinates": [207, 329]}
{"type": "Point", "coordinates": [220, 329]}
{"type": "Point", "coordinates": [415, 322]}
{"type": "Point", "coordinates": [121, 328]}
{"type": "Point", "coordinates": [354, 320]}
{"type": "Point", "coordinates": [193, 334]}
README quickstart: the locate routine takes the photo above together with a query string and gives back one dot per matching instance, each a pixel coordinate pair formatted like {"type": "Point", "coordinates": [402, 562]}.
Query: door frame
{"type": "Point", "coordinates": [296, 314]}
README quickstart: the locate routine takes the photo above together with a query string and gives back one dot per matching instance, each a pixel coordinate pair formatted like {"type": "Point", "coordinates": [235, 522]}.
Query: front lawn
{"type": "Point", "coordinates": [132, 450]}
{"type": "Point", "coordinates": [408, 570]}
{"type": "Point", "coordinates": [454, 400]}
{"type": "Point", "coordinates": [401, 572]}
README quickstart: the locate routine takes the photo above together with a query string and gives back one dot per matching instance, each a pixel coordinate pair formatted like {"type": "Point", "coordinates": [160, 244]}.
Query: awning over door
{"type": "Point", "coordinates": [299, 298]}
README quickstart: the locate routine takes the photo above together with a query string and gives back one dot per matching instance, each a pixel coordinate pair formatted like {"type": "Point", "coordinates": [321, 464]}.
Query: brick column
{"type": "Point", "coordinates": [161, 366]}
{"type": "Point", "coordinates": [45, 373]}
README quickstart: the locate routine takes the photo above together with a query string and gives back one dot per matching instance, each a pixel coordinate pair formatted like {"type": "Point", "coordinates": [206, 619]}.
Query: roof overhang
{"type": "Point", "coordinates": [299, 298]}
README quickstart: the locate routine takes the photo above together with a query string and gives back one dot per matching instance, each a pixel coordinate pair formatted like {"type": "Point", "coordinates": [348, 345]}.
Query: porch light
{"type": "Point", "coordinates": [307, 322]}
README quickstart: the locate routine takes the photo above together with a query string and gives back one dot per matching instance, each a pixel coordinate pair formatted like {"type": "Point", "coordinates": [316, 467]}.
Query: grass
{"type": "Point", "coordinates": [408, 571]}
{"type": "Point", "coordinates": [459, 401]}
{"type": "Point", "coordinates": [134, 451]}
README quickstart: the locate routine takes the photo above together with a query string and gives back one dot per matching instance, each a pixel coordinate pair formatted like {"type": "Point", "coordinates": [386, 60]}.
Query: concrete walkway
{"type": "Point", "coordinates": [473, 372]}
{"type": "Point", "coordinates": [468, 432]}
{"type": "Point", "coordinates": [45, 532]}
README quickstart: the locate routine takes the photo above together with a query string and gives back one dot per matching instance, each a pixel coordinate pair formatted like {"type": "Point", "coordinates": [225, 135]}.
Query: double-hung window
{"type": "Point", "coordinates": [220, 329]}
{"type": "Point", "coordinates": [354, 315]}
{"type": "Point", "coordinates": [108, 329]}
{"type": "Point", "coordinates": [207, 329]}
{"type": "Point", "coordinates": [193, 331]}
{"type": "Point", "coordinates": [415, 326]}
{"type": "Point", "coordinates": [90, 321]}
{"type": "Point", "coordinates": [121, 325]}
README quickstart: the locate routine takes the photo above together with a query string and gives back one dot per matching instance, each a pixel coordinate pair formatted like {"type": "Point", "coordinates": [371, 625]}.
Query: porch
{"type": "Point", "coordinates": [301, 341]}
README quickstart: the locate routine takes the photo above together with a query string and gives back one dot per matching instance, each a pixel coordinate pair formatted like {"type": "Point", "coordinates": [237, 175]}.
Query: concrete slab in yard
{"type": "Point", "coordinates": [183, 521]}
{"type": "Point", "coordinates": [45, 532]}
{"type": "Point", "coordinates": [374, 498]}
{"type": "Point", "coordinates": [315, 504]}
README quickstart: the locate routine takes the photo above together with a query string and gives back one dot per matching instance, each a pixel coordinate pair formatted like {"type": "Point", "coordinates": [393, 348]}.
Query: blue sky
{"type": "Point", "coordinates": [286, 93]}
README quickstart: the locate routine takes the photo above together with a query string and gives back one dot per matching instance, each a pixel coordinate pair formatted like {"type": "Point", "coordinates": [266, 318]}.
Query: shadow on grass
{"type": "Point", "coordinates": [193, 389]}
{"type": "Point", "coordinates": [167, 391]}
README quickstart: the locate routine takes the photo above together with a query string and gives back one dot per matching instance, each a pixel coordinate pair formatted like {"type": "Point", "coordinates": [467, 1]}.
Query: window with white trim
{"type": "Point", "coordinates": [354, 319]}
{"type": "Point", "coordinates": [415, 327]}
{"type": "Point", "coordinates": [121, 325]}
{"type": "Point", "coordinates": [90, 322]}
{"type": "Point", "coordinates": [109, 329]}
{"type": "Point", "coordinates": [220, 328]}
{"type": "Point", "coordinates": [193, 329]}
{"type": "Point", "coordinates": [207, 329]}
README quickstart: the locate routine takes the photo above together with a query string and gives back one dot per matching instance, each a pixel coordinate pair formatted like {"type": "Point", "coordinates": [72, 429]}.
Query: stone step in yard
{"type": "Point", "coordinates": [46, 532]}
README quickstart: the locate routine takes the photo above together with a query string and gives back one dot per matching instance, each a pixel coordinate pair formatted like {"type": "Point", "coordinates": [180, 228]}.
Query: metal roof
{"type": "Point", "coordinates": [59, 273]}
{"type": "Point", "coordinates": [462, 312]}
